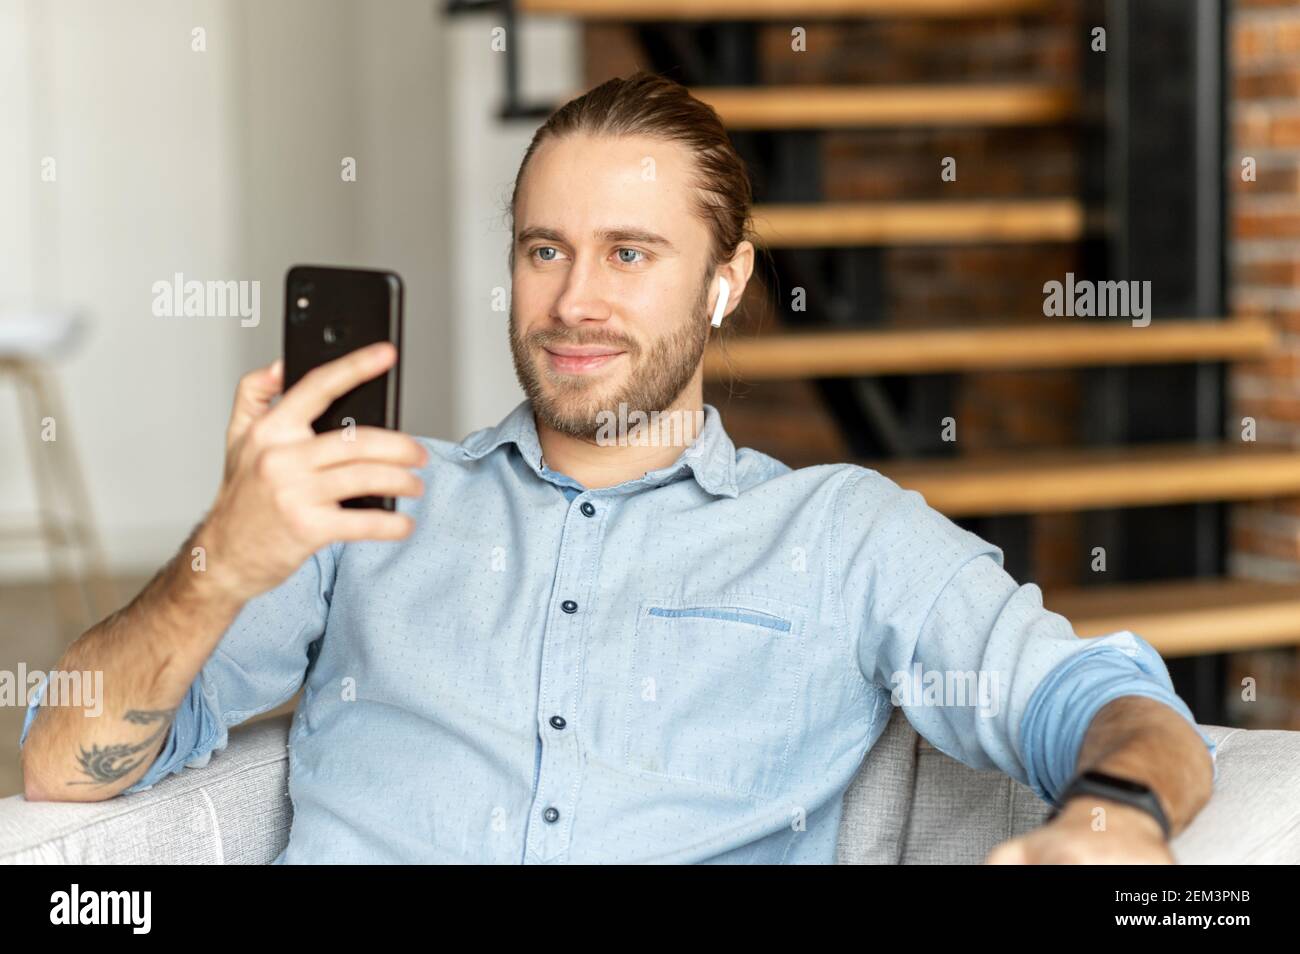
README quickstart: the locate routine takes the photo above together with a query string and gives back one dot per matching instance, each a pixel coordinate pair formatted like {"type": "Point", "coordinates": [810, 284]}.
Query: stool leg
{"type": "Point", "coordinates": [68, 599]}
{"type": "Point", "coordinates": [58, 474]}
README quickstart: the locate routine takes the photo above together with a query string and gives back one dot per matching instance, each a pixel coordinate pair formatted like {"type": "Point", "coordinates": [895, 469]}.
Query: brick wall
{"type": "Point", "coordinates": [1264, 270]}
{"type": "Point", "coordinates": [1264, 124]}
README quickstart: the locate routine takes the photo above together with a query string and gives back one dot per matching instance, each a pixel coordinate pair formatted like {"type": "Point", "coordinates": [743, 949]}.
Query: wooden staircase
{"type": "Point", "coordinates": [893, 107]}
{"type": "Point", "coordinates": [1180, 618]}
{"type": "Point", "coordinates": [773, 9]}
{"type": "Point", "coordinates": [825, 225]}
{"type": "Point", "coordinates": [1186, 617]}
{"type": "Point", "coordinates": [1084, 478]}
{"type": "Point", "coordinates": [822, 354]}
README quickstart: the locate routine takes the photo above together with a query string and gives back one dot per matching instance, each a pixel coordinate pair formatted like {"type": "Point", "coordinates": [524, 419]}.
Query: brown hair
{"type": "Point", "coordinates": [647, 104]}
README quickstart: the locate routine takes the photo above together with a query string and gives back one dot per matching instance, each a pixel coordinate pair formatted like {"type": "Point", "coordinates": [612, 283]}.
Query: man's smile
{"type": "Point", "coordinates": [573, 359]}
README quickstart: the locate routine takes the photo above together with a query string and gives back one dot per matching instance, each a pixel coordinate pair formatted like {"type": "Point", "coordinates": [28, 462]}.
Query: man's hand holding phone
{"type": "Point", "coordinates": [279, 498]}
{"type": "Point", "coordinates": [277, 505]}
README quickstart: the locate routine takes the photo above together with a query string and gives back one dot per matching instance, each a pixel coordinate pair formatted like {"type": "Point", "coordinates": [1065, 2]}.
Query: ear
{"type": "Point", "coordinates": [733, 276]}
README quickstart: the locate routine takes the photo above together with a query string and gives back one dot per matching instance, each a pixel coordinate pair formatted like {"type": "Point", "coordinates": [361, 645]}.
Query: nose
{"type": "Point", "coordinates": [583, 296]}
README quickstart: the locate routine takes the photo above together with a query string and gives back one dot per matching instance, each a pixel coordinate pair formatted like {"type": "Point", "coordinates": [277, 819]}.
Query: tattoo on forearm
{"type": "Point", "coordinates": [111, 762]}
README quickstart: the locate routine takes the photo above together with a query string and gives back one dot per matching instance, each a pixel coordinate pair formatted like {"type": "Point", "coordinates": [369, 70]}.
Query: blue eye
{"type": "Point", "coordinates": [545, 248]}
{"type": "Point", "coordinates": [635, 251]}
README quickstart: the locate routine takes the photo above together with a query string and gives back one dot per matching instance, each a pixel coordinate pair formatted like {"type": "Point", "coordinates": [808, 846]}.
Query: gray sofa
{"type": "Point", "coordinates": [909, 804]}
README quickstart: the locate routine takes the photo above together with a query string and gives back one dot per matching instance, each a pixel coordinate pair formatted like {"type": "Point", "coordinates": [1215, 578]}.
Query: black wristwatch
{"type": "Point", "coordinates": [1115, 789]}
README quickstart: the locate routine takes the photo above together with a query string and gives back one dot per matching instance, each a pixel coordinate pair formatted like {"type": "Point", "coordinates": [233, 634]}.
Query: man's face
{"type": "Point", "coordinates": [610, 280]}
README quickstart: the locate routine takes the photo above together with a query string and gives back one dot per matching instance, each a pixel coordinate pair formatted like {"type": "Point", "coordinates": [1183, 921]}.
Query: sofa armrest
{"type": "Point", "coordinates": [958, 814]}
{"type": "Point", "coordinates": [234, 810]}
{"type": "Point", "coordinates": [1254, 814]}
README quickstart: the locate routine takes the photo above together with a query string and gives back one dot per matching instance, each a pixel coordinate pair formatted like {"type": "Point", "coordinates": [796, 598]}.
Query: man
{"type": "Point", "coordinates": [575, 643]}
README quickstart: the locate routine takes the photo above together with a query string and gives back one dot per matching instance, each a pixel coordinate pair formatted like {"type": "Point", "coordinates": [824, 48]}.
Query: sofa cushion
{"type": "Point", "coordinates": [876, 802]}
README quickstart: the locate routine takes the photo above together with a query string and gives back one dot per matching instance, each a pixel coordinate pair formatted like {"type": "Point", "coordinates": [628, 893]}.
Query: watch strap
{"type": "Point", "coordinates": [1116, 789]}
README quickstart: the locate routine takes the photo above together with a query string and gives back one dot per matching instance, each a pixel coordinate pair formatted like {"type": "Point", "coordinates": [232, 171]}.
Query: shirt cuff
{"type": "Point", "coordinates": [1062, 708]}
{"type": "Point", "coordinates": [191, 737]}
{"type": "Point", "coordinates": [32, 706]}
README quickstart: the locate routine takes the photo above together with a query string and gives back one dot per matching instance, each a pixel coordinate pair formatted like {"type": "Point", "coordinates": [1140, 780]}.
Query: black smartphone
{"type": "Point", "coordinates": [329, 312]}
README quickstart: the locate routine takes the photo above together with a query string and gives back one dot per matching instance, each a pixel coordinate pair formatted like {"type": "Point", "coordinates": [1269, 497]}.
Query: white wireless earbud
{"type": "Point", "coordinates": [724, 293]}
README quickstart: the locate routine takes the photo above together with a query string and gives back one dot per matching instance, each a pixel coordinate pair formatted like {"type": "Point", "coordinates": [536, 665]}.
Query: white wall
{"type": "Point", "coordinates": [18, 180]}
{"type": "Point", "coordinates": [225, 165]}
{"type": "Point", "coordinates": [321, 80]}
{"type": "Point", "coordinates": [139, 127]}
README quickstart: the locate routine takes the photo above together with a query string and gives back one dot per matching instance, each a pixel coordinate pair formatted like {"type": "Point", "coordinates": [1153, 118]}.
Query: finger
{"type": "Point", "coordinates": [308, 399]}
{"type": "Point", "coordinates": [340, 524]}
{"type": "Point", "coordinates": [253, 395]}
{"type": "Point", "coordinates": [362, 480]}
{"type": "Point", "coordinates": [366, 443]}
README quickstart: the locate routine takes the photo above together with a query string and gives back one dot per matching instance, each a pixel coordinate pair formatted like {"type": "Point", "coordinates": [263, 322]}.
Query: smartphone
{"type": "Point", "coordinates": [329, 312]}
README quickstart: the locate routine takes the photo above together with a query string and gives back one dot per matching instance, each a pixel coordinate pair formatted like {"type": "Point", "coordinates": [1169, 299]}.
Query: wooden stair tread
{"type": "Point", "coordinates": [786, 107]}
{"type": "Point", "coordinates": [1186, 617]}
{"type": "Point", "coordinates": [1041, 481]}
{"type": "Point", "coordinates": [1055, 343]}
{"type": "Point", "coordinates": [774, 9]}
{"type": "Point", "coordinates": [825, 224]}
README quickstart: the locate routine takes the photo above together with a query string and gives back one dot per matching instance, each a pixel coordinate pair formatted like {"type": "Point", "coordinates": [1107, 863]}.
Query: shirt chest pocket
{"type": "Point", "coordinates": [714, 691]}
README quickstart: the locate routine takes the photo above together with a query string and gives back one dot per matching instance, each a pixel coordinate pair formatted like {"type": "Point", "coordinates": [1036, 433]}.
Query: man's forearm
{"type": "Point", "coordinates": [1142, 739]}
{"type": "Point", "coordinates": [149, 653]}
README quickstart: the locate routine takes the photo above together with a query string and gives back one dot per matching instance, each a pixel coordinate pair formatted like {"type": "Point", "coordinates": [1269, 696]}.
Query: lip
{"type": "Point", "coordinates": [572, 360]}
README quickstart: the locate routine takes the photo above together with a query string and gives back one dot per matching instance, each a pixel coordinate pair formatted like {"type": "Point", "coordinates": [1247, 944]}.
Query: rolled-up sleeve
{"type": "Point", "coordinates": [980, 668]}
{"type": "Point", "coordinates": [259, 663]}
{"type": "Point", "coordinates": [1062, 708]}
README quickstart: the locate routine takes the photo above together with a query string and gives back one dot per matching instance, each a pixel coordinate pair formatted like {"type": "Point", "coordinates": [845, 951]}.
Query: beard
{"type": "Point", "coordinates": [572, 404]}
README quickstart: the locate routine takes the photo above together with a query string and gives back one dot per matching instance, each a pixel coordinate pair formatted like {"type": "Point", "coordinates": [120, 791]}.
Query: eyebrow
{"type": "Point", "coordinates": [617, 234]}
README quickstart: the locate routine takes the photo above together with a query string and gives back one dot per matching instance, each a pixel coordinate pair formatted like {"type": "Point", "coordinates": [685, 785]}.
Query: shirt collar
{"type": "Point", "coordinates": [711, 458]}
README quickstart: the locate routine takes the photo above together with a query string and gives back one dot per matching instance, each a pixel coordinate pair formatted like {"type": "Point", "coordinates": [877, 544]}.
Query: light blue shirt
{"type": "Point", "coordinates": [686, 667]}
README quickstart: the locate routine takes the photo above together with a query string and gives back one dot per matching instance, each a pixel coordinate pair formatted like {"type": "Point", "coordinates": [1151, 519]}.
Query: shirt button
{"type": "Point", "coordinates": [557, 722]}
{"type": "Point", "coordinates": [551, 814]}
{"type": "Point", "coordinates": [587, 509]}
{"type": "Point", "coordinates": [569, 606]}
